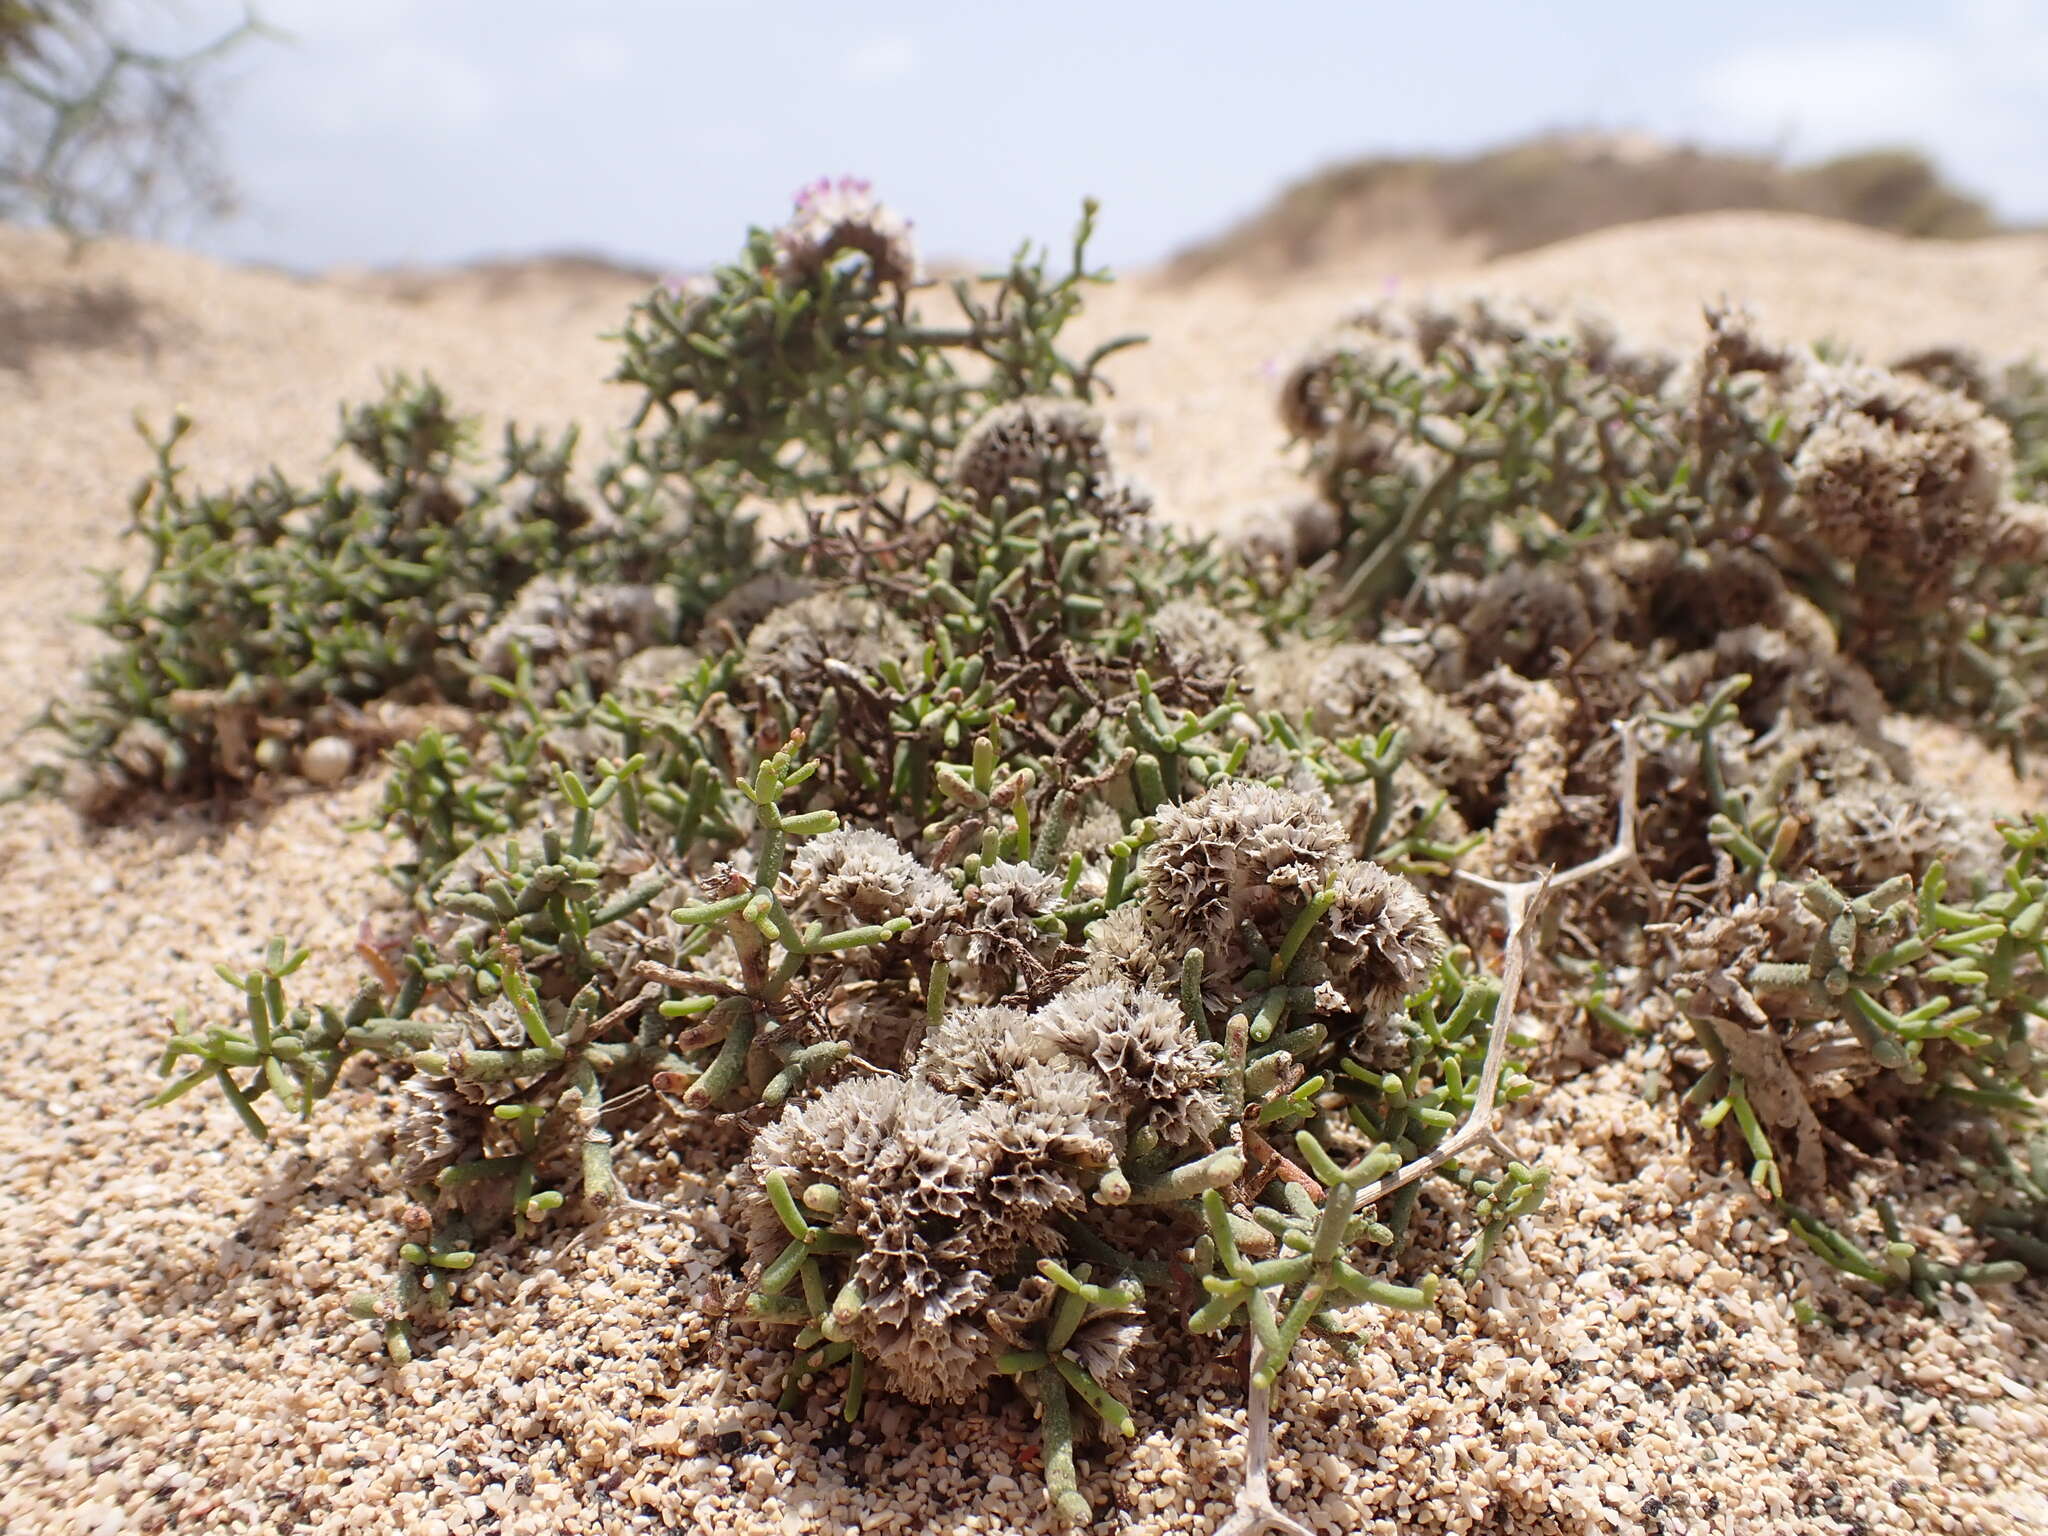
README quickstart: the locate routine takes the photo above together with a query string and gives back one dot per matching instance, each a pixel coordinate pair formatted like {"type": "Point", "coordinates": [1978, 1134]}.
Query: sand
{"type": "Point", "coordinates": [174, 1350]}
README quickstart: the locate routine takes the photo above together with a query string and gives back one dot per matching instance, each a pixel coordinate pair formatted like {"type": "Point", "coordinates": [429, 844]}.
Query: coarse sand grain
{"type": "Point", "coordinates": [175, 1353]}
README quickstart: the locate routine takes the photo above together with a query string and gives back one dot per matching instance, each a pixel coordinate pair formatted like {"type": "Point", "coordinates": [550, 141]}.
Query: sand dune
{"type": "Point", "coordinates": [1805, 277]}
{"type": "Point", "coordinates": [174, 1354]}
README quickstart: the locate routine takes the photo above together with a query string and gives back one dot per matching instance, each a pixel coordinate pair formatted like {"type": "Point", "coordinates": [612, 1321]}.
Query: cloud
{"type": "Point", "coordinates": [1968, 91]}
{"type": "Point", "coordinates": [880, 61]}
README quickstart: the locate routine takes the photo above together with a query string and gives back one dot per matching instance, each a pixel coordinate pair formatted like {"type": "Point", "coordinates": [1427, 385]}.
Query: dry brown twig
{"type": "Point", "coordinates": [1255, 1513]}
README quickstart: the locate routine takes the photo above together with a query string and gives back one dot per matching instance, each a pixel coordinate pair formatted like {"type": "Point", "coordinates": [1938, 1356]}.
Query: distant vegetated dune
{"type": "Point", "coordinates": [1550, 188]}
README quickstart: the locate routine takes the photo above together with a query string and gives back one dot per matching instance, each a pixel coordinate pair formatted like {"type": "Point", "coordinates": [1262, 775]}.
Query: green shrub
{"type": "Point", "coordinates": [275, 617]}
{"type": "Point", "coordinates": [1065, 904]}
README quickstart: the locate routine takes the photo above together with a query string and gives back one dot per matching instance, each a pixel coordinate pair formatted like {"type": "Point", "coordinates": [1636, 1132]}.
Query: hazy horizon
{"type": "Point", "coordinates": [652, 132]}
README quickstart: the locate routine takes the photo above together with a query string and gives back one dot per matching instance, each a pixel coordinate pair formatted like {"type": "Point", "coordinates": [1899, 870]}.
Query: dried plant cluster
{"type": "Point", "coordinates": [1093, 931]}
{"type": "Point", "coordinates": [1536, 479]}
{"type": "Point", "coordinates": [1758, 553]}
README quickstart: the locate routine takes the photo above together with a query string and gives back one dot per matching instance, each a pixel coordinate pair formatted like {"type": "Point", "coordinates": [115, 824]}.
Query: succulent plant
{"type": "Point", "coordinates": [1088, 923]}
{"type": "Point", "coordinates": [1479, 441]}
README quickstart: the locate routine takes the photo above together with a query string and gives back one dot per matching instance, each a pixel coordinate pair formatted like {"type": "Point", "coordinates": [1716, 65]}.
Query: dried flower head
{"type": "Point", "coordinates": [142, 754]}
{"type": "Point", "coordinates": [1032, 450]}
{"type": "Point", "coordinates": [1897, 473]}
{"type": "Point", "coordinates": [1001, 937]}
{"type": "Point", "coordinates": [1788, 682]}
{"type": "Point", "coordinates": [747, 604]}
{"type": "Point", "coordinates": [1055, 1108]}
{"type": "Point", "coordinates": [1159, 1074]}
{"type": "Point", "coordinates": [1864, 825]}
{"type": "Point", "coordinates": [837, 1137]}
{"type": "Point", "coordinates": [1051, 1117]}
{"type": "Point", "coordinates": [1095, 831]}
{"type": "Point", "coordinates": [1286, 537]}
{"type": "Point", "coordinates": [838, 218]}
{"type": "Point", "coordinates": [1358, 690]}
{"type": "Point", "coordinates": [931, 1230]}
{"type": "Point", "coordinates": [565, 628]}
{"type": "Point", "coordinates": [1862, 839]}
{"type": "Point", "coordinates": [1239, 852]}
{"type": "Point", "coordinates": [1105, 1346]}
{"type": "Point", "coordinates": [1197, 640]}
{"type": "Point", "coordinates": [1706, 593]}
{"type": "Point", "coordinates": [873, 1015]}
{"type": "Point", "coordinates": [787, 653]}
{"type": "Point", "coordinates": [1384, 941]}
{"type": "Point", "coordinates": [1307, 401]}
{"type": "Point", "coordinates": [1012, 1315]}
{"type": "Point", "coordinates": [943, 1197]}
{"type": "Point", "coordinates": [1329, 399]}
{"type": "Point", "coordinates": [1534, 617]}
{"type": "Point", "coordinates": [1272, 762]}
{"type": "Point", "coordinates": [657, 671]}
{"type": "Point", "coordinates": [435, 1126]}
{"type": "Point", "coordinates": [974, 1051]}
{"type": "Point", "coordinates": [855, 877]}
{"type": "Point", "coordinates": [1120, 946]}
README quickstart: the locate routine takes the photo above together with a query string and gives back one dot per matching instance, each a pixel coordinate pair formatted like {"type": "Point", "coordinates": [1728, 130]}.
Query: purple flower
{"type": "Point", "coordinates": [843, 218]}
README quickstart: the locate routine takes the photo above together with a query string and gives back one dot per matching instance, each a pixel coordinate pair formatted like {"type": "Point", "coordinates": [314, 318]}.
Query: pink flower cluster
{"type": "Point", "coordinates": [836, 216]}
{"type": "Point", "coordinates": [852, 188]}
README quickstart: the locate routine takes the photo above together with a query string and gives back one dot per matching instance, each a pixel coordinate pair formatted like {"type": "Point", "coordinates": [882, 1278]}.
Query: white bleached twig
{"type": "Point", "coordinates": [1255, 1513]}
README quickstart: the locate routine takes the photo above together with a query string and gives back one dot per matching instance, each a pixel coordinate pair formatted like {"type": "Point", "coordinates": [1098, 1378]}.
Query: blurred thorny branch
{"type": "Point", "coordinates": [98, 133]}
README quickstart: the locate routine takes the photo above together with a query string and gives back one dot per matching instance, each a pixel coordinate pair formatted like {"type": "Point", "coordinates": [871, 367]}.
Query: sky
{"type": "Point", "coordinates": [429, 131]}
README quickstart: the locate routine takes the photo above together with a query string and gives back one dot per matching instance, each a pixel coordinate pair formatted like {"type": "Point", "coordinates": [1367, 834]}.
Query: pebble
{"type": "Point", "coordinates": [327, 760]}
